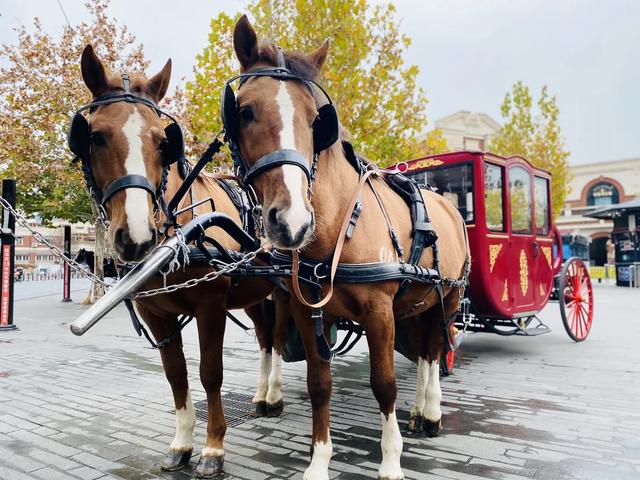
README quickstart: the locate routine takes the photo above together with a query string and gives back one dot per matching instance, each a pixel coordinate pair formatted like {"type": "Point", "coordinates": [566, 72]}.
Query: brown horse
{"type": "Point", "coordinates": [277, 115]}
{"type": "Point", "coordinates": [127, 138]}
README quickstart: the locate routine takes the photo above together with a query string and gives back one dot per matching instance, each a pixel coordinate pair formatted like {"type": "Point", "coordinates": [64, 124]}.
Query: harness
{"type": "Point", "coordinates": [81, 140]}
{"type": "Point", "coordinates": [315, 274]}
{"type": "Point", "coordinates": [325, 127]}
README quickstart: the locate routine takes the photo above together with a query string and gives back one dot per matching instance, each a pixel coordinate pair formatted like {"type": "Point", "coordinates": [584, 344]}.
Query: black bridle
{"type": "Point", "coordinates": [80, 143]}
{"type": "Point", "coordinates": [325, 127]}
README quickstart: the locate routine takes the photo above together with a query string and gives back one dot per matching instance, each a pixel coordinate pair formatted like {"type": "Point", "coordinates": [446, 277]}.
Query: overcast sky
{"type": "Point", "coordinates": [469, 52]}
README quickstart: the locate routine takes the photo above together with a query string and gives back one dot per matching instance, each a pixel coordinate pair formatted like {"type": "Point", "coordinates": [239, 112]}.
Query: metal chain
{"type": "Point", "coordinates": [55, 250]}
{"type": "Point", "coordinates": [209, 277]}
{"type": "Point", "coordinates": [147, 293]}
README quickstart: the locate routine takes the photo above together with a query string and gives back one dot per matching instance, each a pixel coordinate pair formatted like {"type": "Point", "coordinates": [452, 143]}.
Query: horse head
{"type": "Point", "coordinates": [123, 147]}
{"type": "Point", "coordinates": [277, 125]}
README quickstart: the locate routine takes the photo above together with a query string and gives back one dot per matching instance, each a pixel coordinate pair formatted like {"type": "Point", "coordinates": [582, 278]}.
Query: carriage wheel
{"type": "Point", "coordinates": [576, 299]}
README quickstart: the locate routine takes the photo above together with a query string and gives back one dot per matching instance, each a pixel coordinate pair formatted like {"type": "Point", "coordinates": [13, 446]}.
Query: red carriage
{"type": "Point", "coordinates": [517, 264]}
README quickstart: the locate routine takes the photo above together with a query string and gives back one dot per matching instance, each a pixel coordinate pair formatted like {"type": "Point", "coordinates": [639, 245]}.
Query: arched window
{"type": "Point", "coordinates": [601, 194]}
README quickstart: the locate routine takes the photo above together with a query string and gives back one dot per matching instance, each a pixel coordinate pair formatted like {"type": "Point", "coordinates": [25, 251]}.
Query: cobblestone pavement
{"type": "Point", "coordinates": [98, 406]}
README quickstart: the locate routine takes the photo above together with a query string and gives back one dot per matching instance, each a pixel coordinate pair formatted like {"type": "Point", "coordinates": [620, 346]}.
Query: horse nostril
{"type": "Point", "coordinates": [119, 236]}
{"type": "Point", "coordinates": [272, 217]}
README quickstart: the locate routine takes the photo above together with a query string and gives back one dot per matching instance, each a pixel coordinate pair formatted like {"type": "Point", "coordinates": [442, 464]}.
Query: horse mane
{"type": "Point", "coordinates": [296, 61]}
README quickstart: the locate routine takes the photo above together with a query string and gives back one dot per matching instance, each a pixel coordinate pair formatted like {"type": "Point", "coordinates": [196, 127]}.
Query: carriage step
{"type": "Point", "coordinates": [532, 331]}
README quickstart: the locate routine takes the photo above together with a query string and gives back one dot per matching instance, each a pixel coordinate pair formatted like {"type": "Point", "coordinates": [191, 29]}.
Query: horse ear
{"type": "Point", "coordinates": [159, 83]}
{"type": "Point", "coordinates": [245, 43]}
{"type": "Point", "coordinates": [319, 56]}
{"type": "Point", "coordinates": [93, 72]}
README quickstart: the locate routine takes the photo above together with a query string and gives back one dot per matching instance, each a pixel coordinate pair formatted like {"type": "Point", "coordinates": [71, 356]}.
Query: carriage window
{"type": "Point", "coordinates": [520, 198]}
{"type": "Point", "coordinates": [493, 197]}
{"type": "Point", "coordinates": [455, 183]}
{"type": "Point", "coordinates": [540, 191]}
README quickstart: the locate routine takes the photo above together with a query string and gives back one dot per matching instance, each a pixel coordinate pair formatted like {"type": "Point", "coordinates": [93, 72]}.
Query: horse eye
{"type": "Point", "coordinates": [246, 115]}
{"type": "Point", "coordinates": [97, 139]}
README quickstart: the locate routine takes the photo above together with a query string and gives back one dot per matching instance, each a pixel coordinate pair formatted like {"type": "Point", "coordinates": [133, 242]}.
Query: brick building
{"type": "Point", "coordinates": [34, 256]}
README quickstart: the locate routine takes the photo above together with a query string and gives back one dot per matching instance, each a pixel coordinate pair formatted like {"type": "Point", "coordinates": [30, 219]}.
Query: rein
{"type": "Point", "coordinates": [342, 237]}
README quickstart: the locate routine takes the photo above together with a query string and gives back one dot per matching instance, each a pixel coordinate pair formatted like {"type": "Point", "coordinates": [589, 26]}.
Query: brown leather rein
{"type": "Point", "coordinates": [342, 237]}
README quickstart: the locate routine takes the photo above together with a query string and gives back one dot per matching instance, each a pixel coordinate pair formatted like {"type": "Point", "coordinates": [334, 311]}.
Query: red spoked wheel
{"type": "Point", "coordinates": [576, 299]}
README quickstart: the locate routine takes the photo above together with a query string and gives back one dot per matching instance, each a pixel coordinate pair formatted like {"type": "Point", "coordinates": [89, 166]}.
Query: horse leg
{"type": "Point", "coordinates": [319, 387]}
{"type": "Point", "coordinates": [175, 369]}
{"type": "Point", "coordinates": [211, 326]}
{"type": "Point", "coordinates": [282, 313]}
{"type": "Point", "coordinates": [416, 330]}
{"type": "Point", "coordinates": [432, 414]}
{"type": "Point", "coordinates": [263, 328]}
{"type": "Point", "coordinates": [380, 337]}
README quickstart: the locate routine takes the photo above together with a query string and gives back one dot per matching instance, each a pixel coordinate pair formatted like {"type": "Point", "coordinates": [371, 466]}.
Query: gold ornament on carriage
{"type": "Point", "coordinates": [524, 273]}
{"type": "Point", "coordinates": [494, 250]}
{"type": "Point", "coordinates": [547, 254]}
{"type": "Point", "coordinates": [430, 162]}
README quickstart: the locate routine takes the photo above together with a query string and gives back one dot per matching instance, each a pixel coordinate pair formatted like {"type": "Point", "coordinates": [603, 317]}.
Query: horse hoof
{"type": "Point", "coordinates": [175, 460]}
{"type": "Point", "coordinates": [274, 410]}
{"type": "Point", "coordinates": [432, 429]}
{"type": "Point", "coordinates": [415, 424]}
{"type": "Point", "coordinates": [209, 467]}
{"type": "Point", "coordinates": [260, 409]}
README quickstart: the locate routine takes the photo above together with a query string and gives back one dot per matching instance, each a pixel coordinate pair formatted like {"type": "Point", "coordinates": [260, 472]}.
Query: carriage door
{"type": "Point", "coordinates": [542, 272]}
{"type": "Point", "coordinates": [522, 246]}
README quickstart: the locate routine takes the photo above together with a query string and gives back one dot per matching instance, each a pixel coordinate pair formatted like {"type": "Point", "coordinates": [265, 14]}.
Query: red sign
{"type": "Point", "coordinates": [66, 293]}
{"type": "Point", "coordinates": [6, 285]}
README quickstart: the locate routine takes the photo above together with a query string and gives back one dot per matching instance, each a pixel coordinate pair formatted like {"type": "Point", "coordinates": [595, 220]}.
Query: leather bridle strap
{"type": "Point", "coordinates": [342, 237]}
{"type": "Point", "coordinates": [277, 159]}
{"type": "Point", "coordinates": [128, 181]}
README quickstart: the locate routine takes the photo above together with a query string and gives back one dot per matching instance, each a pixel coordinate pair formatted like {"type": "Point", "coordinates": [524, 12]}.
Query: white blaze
{"type": "Point", "coordinates": [185, 422]}
{"type": "Point", "coordinates": [263, 376]}
{"type": "Point", "coordinates": [434, 394]}
{"type": "Point", "coordinates": [275, 380]}
{"type": "Point", "coordinates": [297, 215]}
{"type": "Point", "coordinates": [136, 205]}
{"type": "Point", "coordinates": [318, 469]}
{"type": "Point", "coordinates": [391, 444]}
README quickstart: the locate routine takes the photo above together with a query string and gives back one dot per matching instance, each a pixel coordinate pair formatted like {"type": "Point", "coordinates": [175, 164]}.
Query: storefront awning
{"type": "Point", "coordinates": [617, 210]}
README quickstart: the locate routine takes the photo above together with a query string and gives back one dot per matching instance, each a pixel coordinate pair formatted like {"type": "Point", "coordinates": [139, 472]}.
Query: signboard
{"type": "Point", "coordinates": [5, 294]}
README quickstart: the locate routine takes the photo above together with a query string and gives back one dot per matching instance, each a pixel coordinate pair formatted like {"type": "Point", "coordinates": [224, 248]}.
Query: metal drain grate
{"type": "Point", "coordinates": [238, 408]}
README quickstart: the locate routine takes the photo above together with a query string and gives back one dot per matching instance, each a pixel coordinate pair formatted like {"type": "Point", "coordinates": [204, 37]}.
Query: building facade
{"type": "Point", "coordinates": [595, 186]}
{"type": "Point", "coordinates": [35, 257]}
{"type": "Point", "coordinates": [465, 130]}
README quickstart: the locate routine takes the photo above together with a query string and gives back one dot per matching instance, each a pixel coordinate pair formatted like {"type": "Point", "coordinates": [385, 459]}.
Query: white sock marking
{"type": "Point", "coordinates": [318, 469]}
{"type": "Point", "coordinates": [275, 380]}
{"type": "Point", "coordinates": [263, 377]}
{"type": "Point", "coordinates": [212, 452]}
{"type": "Point", "coordinates": [391, 444]}
{"type": "Point", "coordinates": [434, 394]}
{"type": "Point", "coordinates": [136, 204]}
{"type": "Point", "coordinates": [297, 214]}
{"type": "Point", "coordinates": [185, 423]}
{"type": "Point", "coordinates": [421, 387]}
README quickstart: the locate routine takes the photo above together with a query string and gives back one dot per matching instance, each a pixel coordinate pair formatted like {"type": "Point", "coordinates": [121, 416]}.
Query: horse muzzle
{"type": "Point", "coordinates": [130, 251]}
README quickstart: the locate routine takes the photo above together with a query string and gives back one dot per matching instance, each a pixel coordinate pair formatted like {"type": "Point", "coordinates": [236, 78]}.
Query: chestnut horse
{"type": "Point", "coordinates": [278, 117]}
{"type": "Point", "coordinates": [128, 138]}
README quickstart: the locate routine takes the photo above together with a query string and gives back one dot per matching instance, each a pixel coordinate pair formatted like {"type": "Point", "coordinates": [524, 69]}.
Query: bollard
{"type": "Point", "coordinates": [66, 282]}
{"type": "Point", "coordinates": [7, 240]}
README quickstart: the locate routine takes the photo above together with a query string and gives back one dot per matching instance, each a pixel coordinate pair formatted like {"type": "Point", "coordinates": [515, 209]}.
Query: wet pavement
{"type": "Point", "coordinates": [98, 406]}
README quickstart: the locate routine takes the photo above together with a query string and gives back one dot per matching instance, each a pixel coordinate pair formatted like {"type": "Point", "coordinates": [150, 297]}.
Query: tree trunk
{"type": "Point", "coordinates": [96, 290]}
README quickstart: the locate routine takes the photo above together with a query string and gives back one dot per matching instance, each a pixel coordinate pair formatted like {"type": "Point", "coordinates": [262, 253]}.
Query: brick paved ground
{"type": "Point", "coordinates": [98, 406]}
